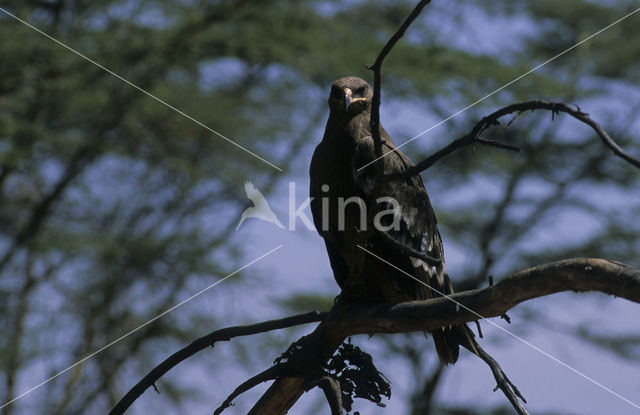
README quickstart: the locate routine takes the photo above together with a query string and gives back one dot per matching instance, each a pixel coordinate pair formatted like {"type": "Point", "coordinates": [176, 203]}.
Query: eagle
{"type": "Point", "coordinates": [340, 189]}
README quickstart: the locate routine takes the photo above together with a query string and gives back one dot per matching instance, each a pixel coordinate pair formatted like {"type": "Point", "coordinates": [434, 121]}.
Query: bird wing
{"type": "Point", "coordinates": [416, 222]}
{"type": "Point", "coordinates": [417, 229]}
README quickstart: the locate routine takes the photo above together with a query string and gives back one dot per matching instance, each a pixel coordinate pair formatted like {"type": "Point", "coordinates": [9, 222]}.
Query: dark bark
{"type": "Point", "coordinates": [578, 275]}
{"type": "Point", "coordinates": [492, 119]}
{"type": "Point", "coordinates": [210, 339]}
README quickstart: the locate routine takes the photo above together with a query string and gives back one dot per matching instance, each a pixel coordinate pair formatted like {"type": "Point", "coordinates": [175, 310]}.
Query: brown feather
{"type": "Point", "coordinates": [345, 147]}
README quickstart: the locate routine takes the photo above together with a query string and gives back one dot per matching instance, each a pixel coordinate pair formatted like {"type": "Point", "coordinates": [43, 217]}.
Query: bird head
{"type": "Point", "coordinates": [350, 96]}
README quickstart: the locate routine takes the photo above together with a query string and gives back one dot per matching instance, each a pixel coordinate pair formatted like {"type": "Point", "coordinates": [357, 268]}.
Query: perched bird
{"type": "Point", "coordinates": [260, 208]}
{"type": "Point", "coordinates": [337, 185]}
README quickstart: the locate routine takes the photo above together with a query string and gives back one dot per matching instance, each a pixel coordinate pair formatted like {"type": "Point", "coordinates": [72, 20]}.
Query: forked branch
{"type": "Point", "coordinates": [578, 275]}
{"type": "Point", "coordinates": [492, 119]}
{"type": "Point", "coordinates": [508, 388]}
{"type": "Point", "coordinates": [210, 340]}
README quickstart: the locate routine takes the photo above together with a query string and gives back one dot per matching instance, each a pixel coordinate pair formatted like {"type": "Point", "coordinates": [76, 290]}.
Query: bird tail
{"type": "Point", "coordinates": [449, 339]}
{"type": "Point", "coordinates": [447, 345]}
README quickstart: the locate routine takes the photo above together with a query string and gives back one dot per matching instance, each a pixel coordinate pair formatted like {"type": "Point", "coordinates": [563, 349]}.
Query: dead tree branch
{"type": "Point", "coordinates": [376, 67]}
{"type": "Point", "coordinates": [264, 376]}
{"type": "Point", "coordinates": [331, 389]}
{"type": "Point", "coordinates": [492, 119]}
{"type": "Point", "coordinates": [210, 339]}
{"type": "Point", "coordinates": [374, 122]}
{"type": "Point", "coordinates": [578, 275]}
{"type": "Point", "coordinates": [503, 382]}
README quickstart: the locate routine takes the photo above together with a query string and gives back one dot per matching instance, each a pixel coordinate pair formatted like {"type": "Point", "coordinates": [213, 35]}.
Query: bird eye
{"type": "Point", "coordinates": [361, 90]}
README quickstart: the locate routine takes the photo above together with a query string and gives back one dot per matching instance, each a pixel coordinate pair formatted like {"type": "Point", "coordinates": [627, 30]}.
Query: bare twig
{"type": "Point", "coordinates": [269, 374]}
{"type": "Point", "coordinates": [503, 382]}
{"type": "Point", "coordinates": [374, 122]}
{"type": "Point", "coordinates": [492, 119]}
{"type": "Point", "coordinates": [210, 339]}
{"type": "Point", "coordinates": [497, 144]}
{"type": "Point", "coordinates": [432, 159]}
{"type": "Point", "coordinates": [285, 391]}
{"type": "Point", "coordinates": [376, 67]}
{"type": "Point", "coordinates": [575, 112]}
{"type": "Point", "coordinates": [479, 329]}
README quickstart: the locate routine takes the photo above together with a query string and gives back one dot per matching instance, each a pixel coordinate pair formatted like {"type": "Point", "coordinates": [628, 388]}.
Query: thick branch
{"type": "Point", "coordinates": [579, 275]}
{"type": "Point", "coordinates": [492, 119]}
{"type": "Point", "coordinates": [210, 339]}
{"type": "Point", "coordinates": [284, 392]}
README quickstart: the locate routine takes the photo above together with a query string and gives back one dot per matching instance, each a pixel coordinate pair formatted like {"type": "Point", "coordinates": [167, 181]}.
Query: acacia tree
{"type": "Point", "coordinates": [102, 187]}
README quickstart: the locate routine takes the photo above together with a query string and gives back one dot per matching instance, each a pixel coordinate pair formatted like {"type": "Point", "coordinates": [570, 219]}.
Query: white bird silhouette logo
{"type": "Point", "coordinates": [260, 208]}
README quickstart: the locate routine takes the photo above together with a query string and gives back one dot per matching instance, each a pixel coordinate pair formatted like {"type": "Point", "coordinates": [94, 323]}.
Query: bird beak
{"type": "Point", "coordinates": [349, 99]}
